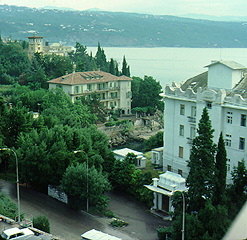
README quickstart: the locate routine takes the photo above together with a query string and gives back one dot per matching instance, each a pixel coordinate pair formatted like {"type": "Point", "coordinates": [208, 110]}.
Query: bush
{"type": "Point", "coordinates": [164, 233]}
{"type": "Point", "coordinates": [8, 208]}
{"type": "Point", "coordinates": [110, 214]}
{"type": "Point", "coordinates": [109, 124]}
{"type": "Point", "coordinates": [118, 223]}
{"type": "Point", "coordinates": [42, 223]}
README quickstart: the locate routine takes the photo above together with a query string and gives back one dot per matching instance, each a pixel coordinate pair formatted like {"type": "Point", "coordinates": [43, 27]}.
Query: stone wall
{"type": "Point", "coordinates": [57, 193]}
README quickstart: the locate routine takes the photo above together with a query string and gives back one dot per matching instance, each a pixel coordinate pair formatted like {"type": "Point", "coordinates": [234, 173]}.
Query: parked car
{"type": "Point", "coordinates": [16, 233]}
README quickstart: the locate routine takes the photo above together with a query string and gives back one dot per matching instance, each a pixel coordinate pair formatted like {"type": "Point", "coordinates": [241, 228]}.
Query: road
{"type": "Point", "coordinates": [70, 224]}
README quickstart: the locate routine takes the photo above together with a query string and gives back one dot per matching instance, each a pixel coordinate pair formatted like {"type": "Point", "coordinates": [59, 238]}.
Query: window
{"type": "Point", "coordinates": [89, 87]}
{"type": "Point", "coordinates": [243, 120]}
{"type": "Point", "coordinates": [76, 89]}
{"type": "Point", "coordinates": [241, 143]}
{"type": "Point", "coordinates": [181, 152]}
{"type": "Point", "coordinates": [229, 117]}
{"type": "Point", "coordinates": [209, 105]}
{"type": "Point", "coordinates": [169, 168]}
{"type": "Point", "coordinates": [182, 109]}
{"type": "Point", "coordinates": [193, 111]}
{"type": "Point", "coordinates": [180, 172]}
{"type": "Point", "coordinates": [192, 132]}
{"type": "Point", "coordinates": [228, 141]}
{"type": "Point", "coordinates": [228, 165]}
{"type": "Point", "coordinates": [181, 130]}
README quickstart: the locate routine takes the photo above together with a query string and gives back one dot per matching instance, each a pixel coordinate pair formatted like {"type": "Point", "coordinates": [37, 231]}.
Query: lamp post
{"type": "Point", "coordinates": [17, 182]}
{"type": "Point", "coordinates": [183, 222]}
{"type": "Point", "coordinates": [76, 151]}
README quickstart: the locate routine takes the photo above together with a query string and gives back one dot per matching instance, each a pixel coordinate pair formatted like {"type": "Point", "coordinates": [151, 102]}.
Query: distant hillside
{"type": "Point", "coordinates": [119, 29]}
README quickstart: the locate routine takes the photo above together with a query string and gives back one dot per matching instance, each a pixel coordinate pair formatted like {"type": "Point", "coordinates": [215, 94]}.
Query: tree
{"type": "Point", "coordinates": [125, 68]}
{"type": "Point", "coordinates": [42, 223]}
{"type": "Point", "coordinates": [8, 208]}
{"type": "Point", "coordinates": [155, 141]}
{"type": "Point", "coordinates": [81, 183]}
{"type": "Point", "coordinates": [112, 68]}
{"type": "Point", "coordinates": [220, 173]}
{"type": "Point", "coordinates": [145, 94]}
{"type": "Point", "coordinates": [100, 59]}
{"type": "Point", "coordinates": [201, 175]}
{"type": "Point", "coordinates": [236, 193]}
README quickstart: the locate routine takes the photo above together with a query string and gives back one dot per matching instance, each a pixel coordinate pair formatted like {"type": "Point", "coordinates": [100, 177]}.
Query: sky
{"type": "Point", "coordinates": [157, 7]}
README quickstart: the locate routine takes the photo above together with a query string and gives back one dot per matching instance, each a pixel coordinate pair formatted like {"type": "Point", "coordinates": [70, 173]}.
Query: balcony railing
{"type": "Point", "coordinates": [190, 140]}
{"type": "Point", "coordinates": [191, 119]}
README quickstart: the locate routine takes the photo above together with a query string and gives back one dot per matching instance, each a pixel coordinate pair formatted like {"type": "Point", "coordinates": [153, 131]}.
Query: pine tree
{"type": "Point", "coordinates": [201, 176]}
{"type": "Point", "coordinates": [220, 173]}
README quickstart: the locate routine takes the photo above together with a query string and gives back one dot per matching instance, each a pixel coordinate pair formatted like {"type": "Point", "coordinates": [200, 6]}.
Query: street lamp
{"type": "Point", "coordinates": [17, 182]}
{"type": "Point", "coordinates": [183, 223]}
{"type": "Point", "coordinates": [76, 151]}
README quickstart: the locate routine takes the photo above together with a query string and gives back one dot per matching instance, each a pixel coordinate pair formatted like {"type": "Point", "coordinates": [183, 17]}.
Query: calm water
{"type": "Point", "coordinates": [172, 64]}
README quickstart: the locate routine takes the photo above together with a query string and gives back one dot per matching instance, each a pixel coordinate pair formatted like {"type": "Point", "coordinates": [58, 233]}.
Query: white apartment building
{"type": "Point", "coordinates": [114, 92]}
{"type": "Point", "coordinates": [223, 90]}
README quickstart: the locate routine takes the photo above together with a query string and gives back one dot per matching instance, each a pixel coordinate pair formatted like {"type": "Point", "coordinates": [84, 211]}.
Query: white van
{"type": "Point", "coordinates": [16, 233]}
{"type": "Point", "coordinates": [98, 235]}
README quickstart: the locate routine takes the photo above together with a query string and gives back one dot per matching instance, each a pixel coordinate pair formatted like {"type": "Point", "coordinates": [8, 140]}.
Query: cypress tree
{"type": "Point", "coordinates": [201, 176]}
{"type": "Point", "coordinates": [100, 58]}
{"type": "Point", "coordinates": [112, 69]}
{"type": "Point", "coordinates": [220, 172]}
{"type": "Point", "coordinates": [125, 68]}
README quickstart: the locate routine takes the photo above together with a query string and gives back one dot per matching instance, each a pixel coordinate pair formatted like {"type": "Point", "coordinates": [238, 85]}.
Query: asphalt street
{"type": "Point", "coordinates": [70, 224]}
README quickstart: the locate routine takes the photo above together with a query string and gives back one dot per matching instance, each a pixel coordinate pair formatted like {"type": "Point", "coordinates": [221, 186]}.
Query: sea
{"type": "Point", "coordinates": [168, 65]}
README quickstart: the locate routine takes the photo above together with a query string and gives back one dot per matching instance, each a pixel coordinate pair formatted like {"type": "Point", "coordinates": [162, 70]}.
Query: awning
{"type": "Point", "coordinates": [159, 190]}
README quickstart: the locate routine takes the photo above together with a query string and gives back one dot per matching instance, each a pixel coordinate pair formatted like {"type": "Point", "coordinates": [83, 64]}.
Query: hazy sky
{"type": "Point", "coordinates": [166, 7]}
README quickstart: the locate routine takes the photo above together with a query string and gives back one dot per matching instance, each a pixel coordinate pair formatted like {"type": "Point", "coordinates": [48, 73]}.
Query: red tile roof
{"type": "Point", "coordinates": [88, 77]}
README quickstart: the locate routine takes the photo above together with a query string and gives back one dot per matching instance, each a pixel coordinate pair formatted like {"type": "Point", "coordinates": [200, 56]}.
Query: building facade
{"type": "Point", "coordinates": [163, 188]}
{"type": "Point", "coordinates": [223, 90]}
{"type": "Point", "coordinates": [114, 92]}
{"type": "Point", "coordinates": [35, 44]}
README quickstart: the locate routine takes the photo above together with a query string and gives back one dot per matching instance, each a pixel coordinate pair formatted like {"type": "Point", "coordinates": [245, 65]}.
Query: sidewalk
{"type": "Point", "coordinates": [142, 224]}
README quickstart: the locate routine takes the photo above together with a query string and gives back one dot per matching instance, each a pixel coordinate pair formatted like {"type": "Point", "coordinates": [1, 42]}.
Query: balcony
{"type": "Point", "coordinates": [190, 140]}
{"type": "Point", "coordinates": [191, 119]}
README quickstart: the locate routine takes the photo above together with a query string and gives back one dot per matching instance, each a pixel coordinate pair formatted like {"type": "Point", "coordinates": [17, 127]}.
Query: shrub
{"type": "Point", "coordinates": [118, 223]}
{"type": "Point", "coordinates": [109, 124]}
{"type": "Point", "coordinates": [164, 233]}
{"type": "Point", "coordinates": [110, 214]}
{"type": "Point", "coordinates": [42, 223]}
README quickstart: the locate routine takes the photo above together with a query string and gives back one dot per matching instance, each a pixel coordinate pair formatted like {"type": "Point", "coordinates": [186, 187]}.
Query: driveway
{"type": "Point", "coordinates": [69, 224]}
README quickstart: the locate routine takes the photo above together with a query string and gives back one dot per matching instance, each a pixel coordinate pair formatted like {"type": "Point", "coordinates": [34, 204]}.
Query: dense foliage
{"type": "Point", "coordinates": [8, 208]}
{"type": "Point", "coordinates": [146, 97]}
{"type": "Point", "coordinates": [155, 141]}
{"type": "Point", "coordinates": [125, 178]}
{"type": "Point", "coordinates": [16, 67]}
{"type": "Point", "coordinates": [84, 184]}
{"type": "Point", "coordinates": [42, 223]}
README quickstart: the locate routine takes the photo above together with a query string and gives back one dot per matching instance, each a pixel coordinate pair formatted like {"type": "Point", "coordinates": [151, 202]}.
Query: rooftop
{"type": "Point", "coordinates": [78, 78]}
{"type": "Point", "coordinates": [125, 151]}
{"type": "Point", "coordinates": [230, 64]}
